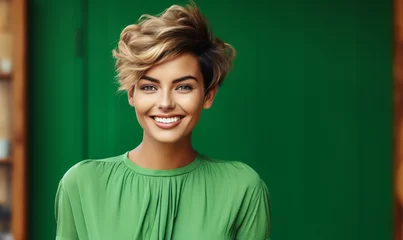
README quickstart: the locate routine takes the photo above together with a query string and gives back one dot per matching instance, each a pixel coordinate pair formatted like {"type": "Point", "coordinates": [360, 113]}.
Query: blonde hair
{"type": "Point", "coordinates": [175, 31]}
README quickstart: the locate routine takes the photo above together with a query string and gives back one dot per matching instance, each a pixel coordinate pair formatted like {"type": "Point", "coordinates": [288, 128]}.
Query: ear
{"type": "Point", "coordinates": [130, 96]}
{"type": "Point", "coordinates": [209, 98]}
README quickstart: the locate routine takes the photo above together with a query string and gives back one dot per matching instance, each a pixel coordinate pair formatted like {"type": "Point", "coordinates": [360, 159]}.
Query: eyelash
{"type": "Point", "coordinates": [149, 88]}
{"type": "Point", "coordinates": [187, 87]}
{"type": "Point", "coordinates": [146, 88]}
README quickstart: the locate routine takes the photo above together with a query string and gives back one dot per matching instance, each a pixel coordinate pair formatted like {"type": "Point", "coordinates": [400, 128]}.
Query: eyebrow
{"type": "Point", "coordinates": [181, 79]}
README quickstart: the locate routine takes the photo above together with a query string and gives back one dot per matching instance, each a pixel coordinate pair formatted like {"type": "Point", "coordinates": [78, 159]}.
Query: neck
{"type": "Point", "coordinates": [156, 155]}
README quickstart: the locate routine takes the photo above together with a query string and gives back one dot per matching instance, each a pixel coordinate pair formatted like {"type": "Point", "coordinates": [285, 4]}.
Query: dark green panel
{"type": "Point", "coordinates": [348, 114]}
{"type": "Point", "coordinates": [55, 106]}
{"type": "Point", "coordinates": [374, 102]}
{"type": "Point", "coordinates": [331, 120]}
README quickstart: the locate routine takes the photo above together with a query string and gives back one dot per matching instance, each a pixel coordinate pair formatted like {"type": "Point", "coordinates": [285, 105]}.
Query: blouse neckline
{"type": "Point", "coordinates": [162, 173]}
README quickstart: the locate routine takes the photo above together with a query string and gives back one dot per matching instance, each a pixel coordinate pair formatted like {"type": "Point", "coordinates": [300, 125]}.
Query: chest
{"type": "Point", "coordinates": [166, 211]}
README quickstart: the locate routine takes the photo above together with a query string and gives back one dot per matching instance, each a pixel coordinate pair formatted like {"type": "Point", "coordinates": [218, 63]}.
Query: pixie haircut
{"type": "Point", "coordinates": [176, 31]}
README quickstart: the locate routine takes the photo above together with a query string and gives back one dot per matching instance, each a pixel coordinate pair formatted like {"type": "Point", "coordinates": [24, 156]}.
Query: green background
{"type": "Point", "coordinates": [308, 105]}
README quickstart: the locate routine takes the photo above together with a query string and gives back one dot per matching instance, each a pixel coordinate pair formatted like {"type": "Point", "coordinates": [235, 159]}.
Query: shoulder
{"type": "Point", "coordinates": [236, 172]}
{"type": "Point", "coordinates": [88, 170]}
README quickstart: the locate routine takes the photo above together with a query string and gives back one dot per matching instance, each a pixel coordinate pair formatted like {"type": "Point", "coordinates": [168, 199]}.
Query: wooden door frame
{"type": "Point", "coordinates": [19, 139]}
{"type": "Point", "coordinates": [398, 120]}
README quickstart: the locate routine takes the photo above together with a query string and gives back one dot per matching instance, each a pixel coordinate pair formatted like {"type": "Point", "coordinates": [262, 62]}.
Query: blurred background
{"type": "Point", "coordinates": [312, 104]}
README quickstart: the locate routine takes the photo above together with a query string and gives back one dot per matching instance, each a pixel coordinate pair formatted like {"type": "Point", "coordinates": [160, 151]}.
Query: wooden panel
{"type": "Point", "coordinates": [398, 91]}
{"type": "Point", "coordinates": [4, 109]}
{"type": "Point", "coordinates": [3, 186]}
{"type": "Point", "coordinates": [4, 76]}
{"type": "Point", "coordinates": [19, 210]}
{"type": "Point", "coordinates": [5, 161]}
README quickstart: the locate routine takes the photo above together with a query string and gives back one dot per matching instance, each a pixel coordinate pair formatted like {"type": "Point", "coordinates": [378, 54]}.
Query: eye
{"type": "Point", "coordinates": [148, 88]}
{"type": "Point", "coordinates": [185, 88]}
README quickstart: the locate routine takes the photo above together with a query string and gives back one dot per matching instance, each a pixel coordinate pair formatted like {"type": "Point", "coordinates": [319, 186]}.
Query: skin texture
{"type": "Point", "coordinates": [174, 87]}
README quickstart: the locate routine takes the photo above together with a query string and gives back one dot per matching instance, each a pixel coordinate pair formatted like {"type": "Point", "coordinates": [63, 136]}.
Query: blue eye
{"type": "Point", "coordinates": [185, 88]}
{"type": "Point", "coordinates": [148, 88]}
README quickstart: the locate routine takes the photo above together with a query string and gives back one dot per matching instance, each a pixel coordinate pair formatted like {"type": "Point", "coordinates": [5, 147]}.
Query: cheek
{"type": "Point", "coordinates": [142, 104]}
{"type": "Point", "coordinates": [191, 104]}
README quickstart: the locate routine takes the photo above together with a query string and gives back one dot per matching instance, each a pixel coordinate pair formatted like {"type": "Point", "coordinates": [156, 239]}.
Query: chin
{"type": "Point", "coordinates": [167, 139]}
{"type": "Point", "coordinates": [165, 136]}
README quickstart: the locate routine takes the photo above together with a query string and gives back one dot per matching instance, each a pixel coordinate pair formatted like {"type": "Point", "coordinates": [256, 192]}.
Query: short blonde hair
{"type": "Point", "coordinates": [175, 31]}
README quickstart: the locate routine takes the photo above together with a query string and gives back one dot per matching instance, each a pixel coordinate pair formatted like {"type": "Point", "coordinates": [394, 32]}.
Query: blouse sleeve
{"type": "Point", "coordinates": [255, 223]}
{"type": "Point", "coordinates": [66, 229]}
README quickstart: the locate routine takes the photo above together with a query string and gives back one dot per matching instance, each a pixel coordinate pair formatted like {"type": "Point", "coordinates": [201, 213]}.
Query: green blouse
{"type": "Point", "coordinates": [208, 199]}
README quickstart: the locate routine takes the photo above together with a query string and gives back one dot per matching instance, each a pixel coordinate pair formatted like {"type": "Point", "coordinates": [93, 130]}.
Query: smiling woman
{"type": "Point", "coordinates": [171, 67]}
{"type": "Point", "coordinates": [172, 103]}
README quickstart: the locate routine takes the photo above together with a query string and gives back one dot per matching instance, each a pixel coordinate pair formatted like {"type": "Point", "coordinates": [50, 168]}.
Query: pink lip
{"type": "Point", "coordinates": [167, 125]}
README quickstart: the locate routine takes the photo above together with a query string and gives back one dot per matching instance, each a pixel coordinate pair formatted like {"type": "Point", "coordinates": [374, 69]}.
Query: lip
{"type": "Point", "coordinates": [167, 116]}
{"type": "Point", "coordinates": [167, 125]}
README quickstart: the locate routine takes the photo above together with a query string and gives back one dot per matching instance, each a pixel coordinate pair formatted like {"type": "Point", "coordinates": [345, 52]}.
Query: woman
{"type": "Point", "coordinates": [171, 67]}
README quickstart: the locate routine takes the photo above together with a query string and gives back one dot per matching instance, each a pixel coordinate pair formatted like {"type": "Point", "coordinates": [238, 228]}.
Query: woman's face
{"type": "Point", "coordinates": [169, 99]}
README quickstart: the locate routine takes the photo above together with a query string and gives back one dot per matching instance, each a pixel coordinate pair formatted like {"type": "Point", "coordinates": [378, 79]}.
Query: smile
{"type": "Point", "coordinates": [167, 123]}
{"type": "Point", "coordinates": [167, 120]}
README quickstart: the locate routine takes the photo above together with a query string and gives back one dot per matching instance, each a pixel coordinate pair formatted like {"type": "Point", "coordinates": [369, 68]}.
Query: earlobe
{"type": "Point", "coordinates": [130, 96]}
{"type": "Point", "coordinates": [209, 98]}
{"type": "Point", "coordinates": [131, 102]}
{"type": "Point", "coordinates": [207, 105]}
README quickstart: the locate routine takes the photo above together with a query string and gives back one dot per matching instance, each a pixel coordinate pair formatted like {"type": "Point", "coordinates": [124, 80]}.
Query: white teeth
{"type": "Point", "coordinates": [166, 120]}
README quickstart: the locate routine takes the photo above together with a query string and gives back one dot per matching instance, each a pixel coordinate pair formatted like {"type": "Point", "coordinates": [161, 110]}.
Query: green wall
{"type": "Point", "coordinates": [308, 105]}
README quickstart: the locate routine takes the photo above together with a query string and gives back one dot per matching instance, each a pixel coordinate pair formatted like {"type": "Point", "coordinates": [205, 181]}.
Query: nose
{"type": "Point", "coordinates": [166, 102]}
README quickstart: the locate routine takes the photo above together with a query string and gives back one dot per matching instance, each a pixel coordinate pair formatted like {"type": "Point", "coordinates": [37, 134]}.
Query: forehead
{"type": "Point", "coordinates": [179, 66]}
